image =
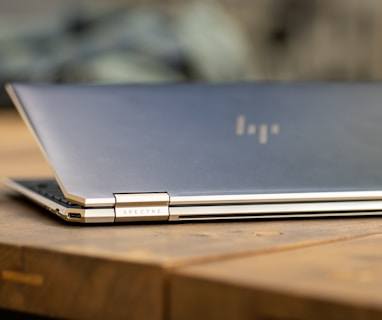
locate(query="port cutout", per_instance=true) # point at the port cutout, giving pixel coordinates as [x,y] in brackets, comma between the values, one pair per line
[74,215]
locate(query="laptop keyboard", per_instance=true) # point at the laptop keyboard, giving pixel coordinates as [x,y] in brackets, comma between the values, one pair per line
[49,189]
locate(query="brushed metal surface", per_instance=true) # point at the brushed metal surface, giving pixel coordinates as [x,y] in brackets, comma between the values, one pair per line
[181,139]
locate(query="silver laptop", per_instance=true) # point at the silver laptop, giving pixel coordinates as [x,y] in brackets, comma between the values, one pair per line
[205,151]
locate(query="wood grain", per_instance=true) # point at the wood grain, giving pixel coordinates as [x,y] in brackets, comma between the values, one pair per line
[71,287]
[93,288]
[11,294]
[333,281]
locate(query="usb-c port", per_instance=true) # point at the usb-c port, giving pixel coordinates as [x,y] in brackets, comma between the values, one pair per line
[74,215]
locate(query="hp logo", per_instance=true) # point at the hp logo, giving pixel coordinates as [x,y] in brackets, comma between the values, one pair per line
[262,130]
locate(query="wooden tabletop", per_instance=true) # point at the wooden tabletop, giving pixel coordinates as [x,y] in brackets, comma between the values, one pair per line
[265,269]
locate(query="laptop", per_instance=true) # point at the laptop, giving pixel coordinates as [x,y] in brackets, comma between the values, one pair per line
[177,152]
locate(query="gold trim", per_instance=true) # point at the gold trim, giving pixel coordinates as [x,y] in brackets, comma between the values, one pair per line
[277,198]
[276,209]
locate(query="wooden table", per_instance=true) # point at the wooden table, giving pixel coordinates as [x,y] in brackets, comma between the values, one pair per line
[281,269]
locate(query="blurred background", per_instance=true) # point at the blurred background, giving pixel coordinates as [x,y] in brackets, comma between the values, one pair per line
[158,41]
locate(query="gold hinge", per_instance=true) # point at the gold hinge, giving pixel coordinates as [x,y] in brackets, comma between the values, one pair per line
[141,206]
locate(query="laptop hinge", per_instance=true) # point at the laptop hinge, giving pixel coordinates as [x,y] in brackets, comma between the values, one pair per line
[141,206]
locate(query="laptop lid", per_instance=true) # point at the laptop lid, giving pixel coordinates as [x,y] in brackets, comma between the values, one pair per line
[208,141]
